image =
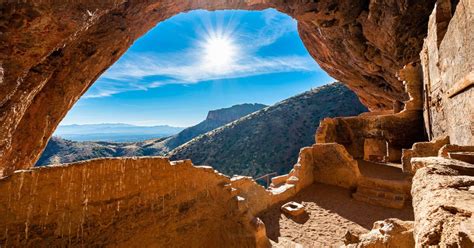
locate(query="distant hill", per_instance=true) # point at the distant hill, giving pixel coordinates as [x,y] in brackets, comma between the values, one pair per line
[114,132]
[215,119]
[233,140]
[269,140]
[60,150]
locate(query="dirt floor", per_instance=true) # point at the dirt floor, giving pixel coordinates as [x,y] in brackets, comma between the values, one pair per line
[386,171]
[331,212]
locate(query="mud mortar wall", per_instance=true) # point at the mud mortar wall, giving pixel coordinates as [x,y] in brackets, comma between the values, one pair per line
[121,202]
[401,130]
[448,68]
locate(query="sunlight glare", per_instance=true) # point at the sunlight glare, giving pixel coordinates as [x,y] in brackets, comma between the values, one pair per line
[219,51]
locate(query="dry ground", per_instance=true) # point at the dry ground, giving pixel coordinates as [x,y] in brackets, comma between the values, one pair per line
[331,212]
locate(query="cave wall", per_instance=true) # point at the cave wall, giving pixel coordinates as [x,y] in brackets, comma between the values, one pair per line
[442,187]
[448,71]
[53,52]
[122,202]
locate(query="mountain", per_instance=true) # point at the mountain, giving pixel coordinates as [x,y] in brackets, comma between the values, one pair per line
[115,132]
[269,140]
[215,119]
[233,140]
[60,150]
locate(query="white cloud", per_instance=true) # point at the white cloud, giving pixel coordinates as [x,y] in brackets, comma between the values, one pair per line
[140,71]
[276,25]
[132,74]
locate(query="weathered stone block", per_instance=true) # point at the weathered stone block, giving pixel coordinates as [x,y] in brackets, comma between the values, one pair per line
[293,208]
[421,149]
[442,201]
[334,165]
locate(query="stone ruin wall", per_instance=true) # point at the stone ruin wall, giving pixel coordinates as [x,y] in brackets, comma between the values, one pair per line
[443,187]
[148,201]
[152,201]
[122,202]
[448,72]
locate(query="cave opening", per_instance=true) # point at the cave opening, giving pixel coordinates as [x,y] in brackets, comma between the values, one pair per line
[194,73]
[348,179]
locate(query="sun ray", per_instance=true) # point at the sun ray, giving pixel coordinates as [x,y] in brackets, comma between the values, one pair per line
[217,46]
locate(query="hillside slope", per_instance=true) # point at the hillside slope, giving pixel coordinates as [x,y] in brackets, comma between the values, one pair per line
[215,119]
[61,150]
[269,140]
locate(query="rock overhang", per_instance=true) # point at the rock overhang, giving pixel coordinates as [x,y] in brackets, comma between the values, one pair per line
[53,52]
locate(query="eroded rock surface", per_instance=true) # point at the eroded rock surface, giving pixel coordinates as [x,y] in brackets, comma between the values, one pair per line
[443,201]
[52,53]
[385,233]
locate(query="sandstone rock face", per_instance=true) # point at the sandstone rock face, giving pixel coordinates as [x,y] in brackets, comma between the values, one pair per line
[52,53]
[381,136]
[448,72]
[386,233]
[443,202]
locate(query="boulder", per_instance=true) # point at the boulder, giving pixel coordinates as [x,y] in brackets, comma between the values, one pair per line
[385,233]
[443,202]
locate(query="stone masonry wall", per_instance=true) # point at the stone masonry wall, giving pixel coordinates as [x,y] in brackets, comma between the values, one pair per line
[121,202]
[448,72]
[151,201]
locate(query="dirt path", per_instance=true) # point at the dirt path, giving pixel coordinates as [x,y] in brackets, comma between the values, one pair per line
[331,212]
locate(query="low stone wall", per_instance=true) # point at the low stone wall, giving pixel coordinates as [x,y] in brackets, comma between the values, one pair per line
[148,201]
[400,130]
[122,202]
[333,165]
[256,199]
[421,149]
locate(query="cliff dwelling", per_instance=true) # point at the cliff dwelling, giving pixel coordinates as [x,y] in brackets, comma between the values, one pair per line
[401,175]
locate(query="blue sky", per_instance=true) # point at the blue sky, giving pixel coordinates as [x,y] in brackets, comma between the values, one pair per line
[198,61]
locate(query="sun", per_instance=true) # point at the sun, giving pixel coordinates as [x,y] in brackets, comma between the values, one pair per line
[219,51]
